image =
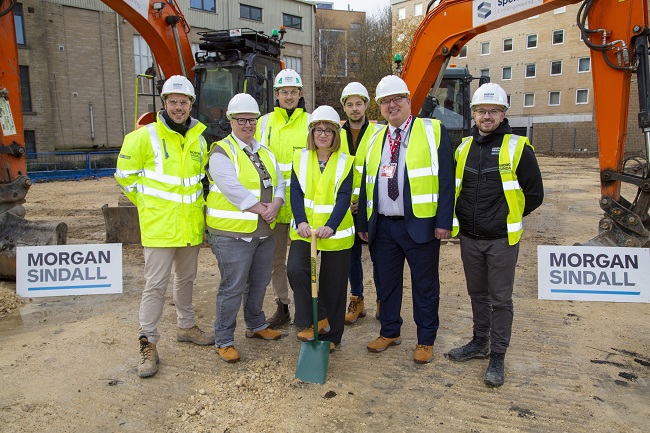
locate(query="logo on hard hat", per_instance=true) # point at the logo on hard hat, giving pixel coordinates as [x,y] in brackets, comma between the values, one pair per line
[177,86]
[289,80]
[488,95]
[484,9]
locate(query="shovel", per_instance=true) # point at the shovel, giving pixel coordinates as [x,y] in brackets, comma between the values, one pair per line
[314,355]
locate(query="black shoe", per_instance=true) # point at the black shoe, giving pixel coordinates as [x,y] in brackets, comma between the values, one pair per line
[280,317]
[495,371]
[479,347]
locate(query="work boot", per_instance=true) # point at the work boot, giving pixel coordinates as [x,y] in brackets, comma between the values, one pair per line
[495,371]
[281,315]
[228,354]
[265,334]
[382,343]
[148,358]
[331,347]
[195,335]
[479,347]
[423,354]
[307,334]
[356,309]
[377,311]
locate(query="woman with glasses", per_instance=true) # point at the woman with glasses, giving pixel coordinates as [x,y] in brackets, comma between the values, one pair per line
[246,192]
[321,189]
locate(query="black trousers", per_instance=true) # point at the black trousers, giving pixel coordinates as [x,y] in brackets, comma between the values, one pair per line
[332,287]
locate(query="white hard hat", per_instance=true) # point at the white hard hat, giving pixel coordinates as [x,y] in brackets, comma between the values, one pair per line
[287,78]
[354,89]
[242,103]
[178,84]
[490,93]
[391,85]
[325,113]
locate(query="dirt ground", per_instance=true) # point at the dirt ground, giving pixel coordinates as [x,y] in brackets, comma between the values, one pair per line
[68,364]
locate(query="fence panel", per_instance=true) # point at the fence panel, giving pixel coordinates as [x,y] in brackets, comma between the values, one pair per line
[71,165]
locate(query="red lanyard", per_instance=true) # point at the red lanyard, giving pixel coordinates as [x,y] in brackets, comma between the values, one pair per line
[393,144]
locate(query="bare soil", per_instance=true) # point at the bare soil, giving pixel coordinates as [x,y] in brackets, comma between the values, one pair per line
[68,364]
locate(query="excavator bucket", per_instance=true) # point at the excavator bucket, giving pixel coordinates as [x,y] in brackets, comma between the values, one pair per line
[122,222]
[16,231]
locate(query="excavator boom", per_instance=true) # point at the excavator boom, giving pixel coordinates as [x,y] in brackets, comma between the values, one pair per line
[617,34]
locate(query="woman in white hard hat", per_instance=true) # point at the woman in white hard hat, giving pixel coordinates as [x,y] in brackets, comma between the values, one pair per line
[321,188]
[246,192]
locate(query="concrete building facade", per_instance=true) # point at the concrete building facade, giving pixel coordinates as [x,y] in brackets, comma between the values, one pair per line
[79,61]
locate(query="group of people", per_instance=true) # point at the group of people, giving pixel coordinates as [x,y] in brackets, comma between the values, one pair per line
[288,177]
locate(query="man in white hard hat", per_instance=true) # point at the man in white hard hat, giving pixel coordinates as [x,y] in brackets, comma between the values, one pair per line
[406,206]
[355,135]
[246,192]
[160,168]
[498,182]
[284,131]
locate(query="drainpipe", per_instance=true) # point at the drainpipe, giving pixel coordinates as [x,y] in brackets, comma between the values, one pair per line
[92,123]
[119,69]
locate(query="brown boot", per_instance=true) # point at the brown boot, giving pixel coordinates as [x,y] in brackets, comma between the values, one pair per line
[356,309]
[281,316]
[195,335]
[307,334]
[148,358]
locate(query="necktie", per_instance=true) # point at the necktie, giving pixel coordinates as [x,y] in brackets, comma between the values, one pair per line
[393,188]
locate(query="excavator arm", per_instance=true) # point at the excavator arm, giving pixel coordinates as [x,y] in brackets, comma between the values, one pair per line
[617,34]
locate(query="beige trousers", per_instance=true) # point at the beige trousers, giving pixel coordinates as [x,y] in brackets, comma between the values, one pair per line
[158,263]
[279,274]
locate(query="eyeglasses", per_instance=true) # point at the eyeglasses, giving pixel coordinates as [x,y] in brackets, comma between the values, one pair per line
[326,132]
[285,92]
[242,122]
[174,102]
[397,100]
[492,112]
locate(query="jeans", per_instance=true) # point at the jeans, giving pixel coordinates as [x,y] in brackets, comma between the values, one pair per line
[245,269]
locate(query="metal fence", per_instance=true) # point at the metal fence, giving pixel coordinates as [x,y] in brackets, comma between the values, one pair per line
[71,165]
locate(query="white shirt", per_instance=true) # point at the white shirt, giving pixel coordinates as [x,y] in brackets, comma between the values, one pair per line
[386,205]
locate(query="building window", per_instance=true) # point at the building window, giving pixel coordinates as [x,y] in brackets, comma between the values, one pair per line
[204,5]
[554,97]
[20,24]
[531,41]
[560,10]
[250,12]
[401,13]
[418,9]
[582,96]
[531,70]
[558,37]
[143,60]
[507,44]
[484,72]
[556,67]
[332,53]
[355,26]
[463,52]
[508,99]
[506,73]
[292,21]
[294,63]
[533,17]
[584,64]
[529,99]
[30,143]
[25,92]
[485,48]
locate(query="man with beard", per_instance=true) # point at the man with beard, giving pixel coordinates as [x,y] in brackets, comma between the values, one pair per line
[498,182]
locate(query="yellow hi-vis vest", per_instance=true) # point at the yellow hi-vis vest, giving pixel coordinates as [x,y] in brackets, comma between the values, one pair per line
[283,136]
[320,191]
[421,167]
[511,149]
[160,171]
[360,156]
[221,214]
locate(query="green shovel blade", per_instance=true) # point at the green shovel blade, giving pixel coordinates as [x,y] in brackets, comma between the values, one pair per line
[312,361]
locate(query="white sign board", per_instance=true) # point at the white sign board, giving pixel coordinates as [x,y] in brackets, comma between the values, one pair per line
[60,270]
[485,11]
[6,118]
[584,273]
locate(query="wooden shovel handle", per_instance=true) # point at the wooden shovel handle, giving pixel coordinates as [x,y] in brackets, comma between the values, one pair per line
[314,276]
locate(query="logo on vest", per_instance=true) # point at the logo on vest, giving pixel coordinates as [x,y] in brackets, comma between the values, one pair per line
[196,156]
[505,168]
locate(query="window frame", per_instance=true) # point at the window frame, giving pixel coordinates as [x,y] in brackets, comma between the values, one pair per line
[481,74]
[534,65]
[460,53]
[503,45]
[401,14]
[25,89]
[19,22]
[586,101]
[536,35]
[503,69]
[553,36]
[415,10]
[560,10]
[551,93]
[250,8]
[526,95]
[587,70]
[291,26]
[484,44]
[203,6]
[551,68]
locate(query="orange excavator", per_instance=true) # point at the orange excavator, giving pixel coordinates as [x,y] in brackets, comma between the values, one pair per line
[617,33]
[229,62]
